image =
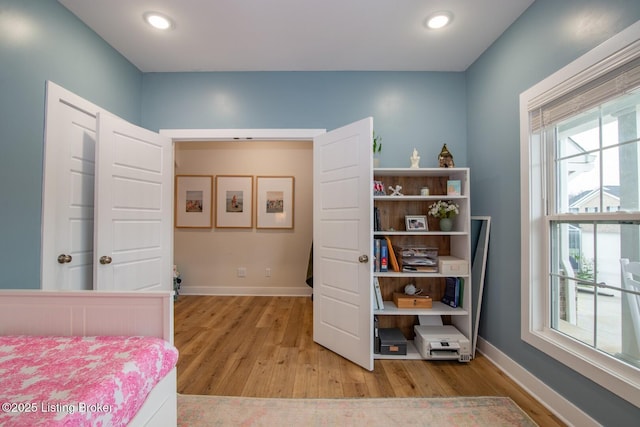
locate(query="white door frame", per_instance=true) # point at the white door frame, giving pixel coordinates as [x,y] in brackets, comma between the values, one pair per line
[305,135]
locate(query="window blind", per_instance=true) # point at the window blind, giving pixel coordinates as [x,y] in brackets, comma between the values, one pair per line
[612,77]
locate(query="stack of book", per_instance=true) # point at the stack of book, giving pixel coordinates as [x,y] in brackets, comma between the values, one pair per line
[385,257]
[453,291]
[381,255]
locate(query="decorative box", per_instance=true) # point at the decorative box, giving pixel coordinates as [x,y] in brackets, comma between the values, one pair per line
[453,266]
[412,301]
[392,341]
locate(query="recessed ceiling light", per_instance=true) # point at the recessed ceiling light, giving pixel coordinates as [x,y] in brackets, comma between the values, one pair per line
[438,20]
[158,20]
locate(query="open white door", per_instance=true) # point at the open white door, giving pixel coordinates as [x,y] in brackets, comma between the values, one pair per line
[68,193]
[343,214]
[133,214]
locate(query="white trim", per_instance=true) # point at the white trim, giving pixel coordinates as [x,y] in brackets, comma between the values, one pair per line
[606,371]
[549,398]
[282,291]
[241,134]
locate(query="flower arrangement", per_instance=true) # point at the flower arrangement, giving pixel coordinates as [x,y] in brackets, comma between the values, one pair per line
[444,209]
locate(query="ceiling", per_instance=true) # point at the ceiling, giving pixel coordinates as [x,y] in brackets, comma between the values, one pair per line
[299,35]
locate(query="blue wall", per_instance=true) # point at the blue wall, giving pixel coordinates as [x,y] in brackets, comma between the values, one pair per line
[475,113]
[410,109]
[548,36]
[40,40]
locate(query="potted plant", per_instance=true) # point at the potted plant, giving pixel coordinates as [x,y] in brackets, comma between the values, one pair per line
[445,211]
[377,147]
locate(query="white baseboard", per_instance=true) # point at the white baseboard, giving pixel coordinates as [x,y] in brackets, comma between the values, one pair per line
[247,291]
[554,402]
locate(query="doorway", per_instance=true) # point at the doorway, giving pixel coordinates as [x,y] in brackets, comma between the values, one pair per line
[246,261]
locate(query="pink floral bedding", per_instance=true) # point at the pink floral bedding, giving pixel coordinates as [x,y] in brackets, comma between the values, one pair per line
[78,381]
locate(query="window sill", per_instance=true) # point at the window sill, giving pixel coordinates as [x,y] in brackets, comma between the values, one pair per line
[605,370]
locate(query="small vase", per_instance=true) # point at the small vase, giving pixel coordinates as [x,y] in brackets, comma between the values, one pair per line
[446,224]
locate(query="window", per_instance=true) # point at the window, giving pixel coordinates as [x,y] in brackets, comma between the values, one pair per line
[580,147]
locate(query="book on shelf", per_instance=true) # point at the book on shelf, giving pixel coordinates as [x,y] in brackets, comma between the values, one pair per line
[376,219]
[451,295]
[378,293]
[376,336]
[384,256]
[419,268]
[381,255]
[393,260]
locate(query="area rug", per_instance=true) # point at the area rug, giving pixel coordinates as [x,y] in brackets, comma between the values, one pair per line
[194,411]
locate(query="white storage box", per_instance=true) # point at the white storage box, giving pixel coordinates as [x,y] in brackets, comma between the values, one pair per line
[453,266]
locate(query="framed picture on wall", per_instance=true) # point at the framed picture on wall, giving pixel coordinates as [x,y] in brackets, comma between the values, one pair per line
[274,201]
[234,201]
[193,201]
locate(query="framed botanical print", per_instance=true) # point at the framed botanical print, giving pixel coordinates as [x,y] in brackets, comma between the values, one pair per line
[234,201]
[274,201]
[193,201]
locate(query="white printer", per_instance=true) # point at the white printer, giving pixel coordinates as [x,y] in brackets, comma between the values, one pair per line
[442,342]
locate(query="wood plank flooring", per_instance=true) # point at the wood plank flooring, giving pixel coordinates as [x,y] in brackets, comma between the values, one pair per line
[263,347]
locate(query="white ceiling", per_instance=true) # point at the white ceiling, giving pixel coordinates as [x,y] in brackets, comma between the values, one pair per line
[299,35]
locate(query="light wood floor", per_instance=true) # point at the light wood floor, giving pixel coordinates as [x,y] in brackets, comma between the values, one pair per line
[263,347]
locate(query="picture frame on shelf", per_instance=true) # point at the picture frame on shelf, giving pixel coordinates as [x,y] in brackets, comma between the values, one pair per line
[234,201]
[275,202]
[416,223]
[193,201]
[453,187]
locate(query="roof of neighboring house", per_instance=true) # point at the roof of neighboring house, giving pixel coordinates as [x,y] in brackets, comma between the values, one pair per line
[579,199]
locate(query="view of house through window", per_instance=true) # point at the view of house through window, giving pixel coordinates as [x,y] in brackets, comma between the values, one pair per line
[592,177]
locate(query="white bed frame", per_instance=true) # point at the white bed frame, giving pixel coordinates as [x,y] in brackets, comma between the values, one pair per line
[95,313]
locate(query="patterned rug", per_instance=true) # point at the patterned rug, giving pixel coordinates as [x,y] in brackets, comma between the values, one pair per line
[450,412]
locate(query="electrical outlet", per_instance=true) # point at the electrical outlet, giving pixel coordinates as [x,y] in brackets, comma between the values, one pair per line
[267,272]
[242,272]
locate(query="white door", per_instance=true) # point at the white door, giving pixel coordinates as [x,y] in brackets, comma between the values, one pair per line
[134,215]
[342,245]
[68,226]
[67,211]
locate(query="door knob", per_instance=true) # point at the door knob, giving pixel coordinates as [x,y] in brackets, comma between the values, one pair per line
[64,258]
[363,258]
[105,259]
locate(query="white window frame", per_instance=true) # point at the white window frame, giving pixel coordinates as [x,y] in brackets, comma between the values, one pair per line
[605,370]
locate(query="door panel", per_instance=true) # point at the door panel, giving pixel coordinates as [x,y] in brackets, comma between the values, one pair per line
[68,193]
[134,212]
[342,234]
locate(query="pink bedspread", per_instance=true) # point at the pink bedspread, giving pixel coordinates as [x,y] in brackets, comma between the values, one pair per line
[78,381]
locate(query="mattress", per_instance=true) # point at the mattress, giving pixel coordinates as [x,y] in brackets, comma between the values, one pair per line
[78,381]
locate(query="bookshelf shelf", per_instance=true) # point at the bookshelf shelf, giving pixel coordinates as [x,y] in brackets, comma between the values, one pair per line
[412,353]
[408,275]
[419,233]
[438,309]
